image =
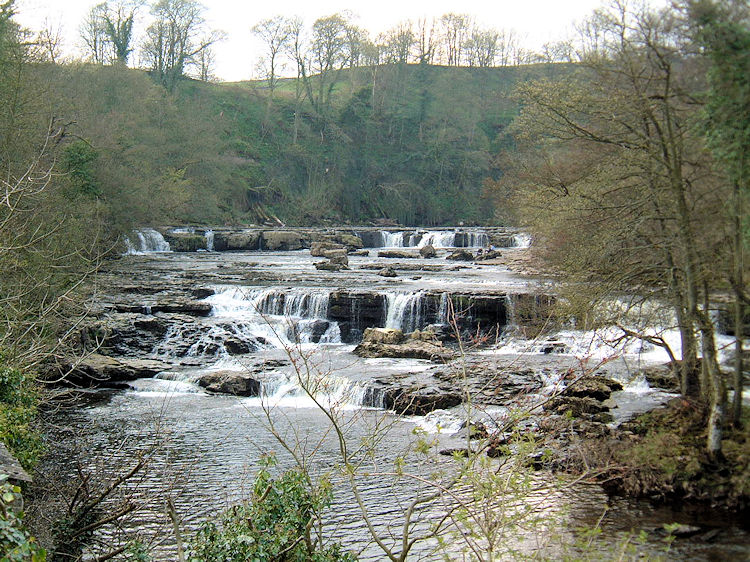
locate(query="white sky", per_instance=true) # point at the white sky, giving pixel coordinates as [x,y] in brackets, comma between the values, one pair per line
[536,21]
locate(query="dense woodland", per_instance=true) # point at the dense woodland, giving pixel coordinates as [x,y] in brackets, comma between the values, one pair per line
[623,151]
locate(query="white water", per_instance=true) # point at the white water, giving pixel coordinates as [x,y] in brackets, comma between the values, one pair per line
[521,240]
[147,240]
[405,311]
[209,234]
[435,238]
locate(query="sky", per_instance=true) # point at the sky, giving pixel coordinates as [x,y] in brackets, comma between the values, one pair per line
[536,21]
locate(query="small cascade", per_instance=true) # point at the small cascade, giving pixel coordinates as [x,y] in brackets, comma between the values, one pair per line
[438,239]
[209,234]
[146,241]
[521,240]
[477,239]
[392,239]
[330,390]
[406,311]
[278,315]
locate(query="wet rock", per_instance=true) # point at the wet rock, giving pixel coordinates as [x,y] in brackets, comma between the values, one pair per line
[284,240]
[337,256]
[662,376]
[319,249]
[230,382]
[100,370]
[489,255]
[442,332]
[235,346]
[355,311]
[237,241]
[190,307]
[577,406]
[397,254]
[315,330]
[202,292]
[351,241]
[362,253]
[460,255]
[185,242]
[411,349]
[428,251]
[419,400]
[422,335]
[598,388]
[388,272]
[383,335]
[329,266]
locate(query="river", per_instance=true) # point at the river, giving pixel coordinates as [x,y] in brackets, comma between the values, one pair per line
[273,314]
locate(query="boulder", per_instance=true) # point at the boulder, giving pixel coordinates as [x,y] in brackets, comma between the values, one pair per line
[423,335]
[428,251]
[411,349]
[230,382]
[662,376]
[403,254]
[419,400]
[383,335]
[337,256]
[460,255]
[577,406]
[598,388]
[363,253]
[388,272]
[329,266]
[319,249]
[283,240]
[488,255]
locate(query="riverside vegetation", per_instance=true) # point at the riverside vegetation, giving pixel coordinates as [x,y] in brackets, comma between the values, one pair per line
[625,155]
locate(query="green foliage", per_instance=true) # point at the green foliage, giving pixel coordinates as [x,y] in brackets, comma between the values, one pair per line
[277,524]
[15,543]
[79,159]
[18,400]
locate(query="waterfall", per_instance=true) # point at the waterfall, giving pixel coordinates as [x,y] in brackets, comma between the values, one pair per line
[209,234]
[148,241]
[477,239]
[327,389]
[439,239]
[280,316]
[521,240]
[406,311]
[391,239]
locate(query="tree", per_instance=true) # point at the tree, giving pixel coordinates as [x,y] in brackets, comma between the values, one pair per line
[275,34]
[174,40]
[455,29]
[397,43]
[118,27]
[94,36]
[724,33]
[481,47]
[618,154]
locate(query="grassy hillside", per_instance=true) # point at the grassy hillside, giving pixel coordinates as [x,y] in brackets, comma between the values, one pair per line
[411,143]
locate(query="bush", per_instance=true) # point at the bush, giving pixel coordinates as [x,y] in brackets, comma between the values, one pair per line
[18,400]
[277,524]
[15,543]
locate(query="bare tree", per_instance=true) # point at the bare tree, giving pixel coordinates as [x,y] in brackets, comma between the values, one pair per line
[94,36]
[426,44]
[49,42]
[455,28]
[397,43]
[176,37]
[275,33]
[481,47]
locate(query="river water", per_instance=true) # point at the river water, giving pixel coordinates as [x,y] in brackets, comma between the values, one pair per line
[204,449]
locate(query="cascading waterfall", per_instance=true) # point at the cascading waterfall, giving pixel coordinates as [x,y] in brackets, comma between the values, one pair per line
[148,241]
[435,238]
[209,234]
[521,240]
[406,311]
[438,239]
